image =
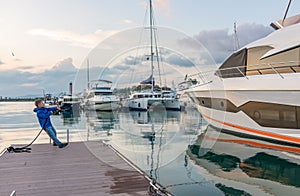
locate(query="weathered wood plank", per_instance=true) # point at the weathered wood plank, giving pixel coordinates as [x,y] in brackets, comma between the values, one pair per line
[48,170]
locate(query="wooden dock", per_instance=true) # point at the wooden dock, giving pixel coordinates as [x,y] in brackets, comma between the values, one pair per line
[73,170]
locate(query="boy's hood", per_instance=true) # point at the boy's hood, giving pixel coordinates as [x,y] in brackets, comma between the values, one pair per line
[36,109]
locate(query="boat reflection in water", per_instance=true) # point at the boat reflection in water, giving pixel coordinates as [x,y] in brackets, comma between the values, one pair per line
[247,166]
[187,156]
[100,123]
[70,117]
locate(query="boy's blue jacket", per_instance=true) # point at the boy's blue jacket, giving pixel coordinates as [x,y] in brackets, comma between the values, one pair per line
[43,115]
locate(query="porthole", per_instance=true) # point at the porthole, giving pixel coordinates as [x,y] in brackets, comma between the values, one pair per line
[222,104]
[256,115]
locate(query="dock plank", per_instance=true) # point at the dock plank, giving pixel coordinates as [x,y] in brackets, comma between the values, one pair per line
[48,170]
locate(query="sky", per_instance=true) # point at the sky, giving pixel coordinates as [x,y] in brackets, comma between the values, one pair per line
[43,44]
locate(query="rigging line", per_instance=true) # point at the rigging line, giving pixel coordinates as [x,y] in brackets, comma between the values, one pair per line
[133,73]
[158,55]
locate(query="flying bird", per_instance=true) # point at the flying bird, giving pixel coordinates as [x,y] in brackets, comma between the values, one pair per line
[12,54]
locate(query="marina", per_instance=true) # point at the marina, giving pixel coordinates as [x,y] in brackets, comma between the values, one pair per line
[150,110]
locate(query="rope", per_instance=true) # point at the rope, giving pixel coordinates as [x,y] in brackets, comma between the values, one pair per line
[26,147]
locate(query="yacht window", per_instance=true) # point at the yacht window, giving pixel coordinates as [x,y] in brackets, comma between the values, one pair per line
[289,115]
[284,62]
[269,114]
[103,93]
[234,66]
[273,115]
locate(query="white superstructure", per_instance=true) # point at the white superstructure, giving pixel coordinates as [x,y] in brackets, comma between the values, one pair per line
[101,97]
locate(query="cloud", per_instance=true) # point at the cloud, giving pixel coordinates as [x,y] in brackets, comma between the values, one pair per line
[127,21]
[29,84]
[175,59]
[220,43]
[131,60]
[163,6]
[74,39]
[54,80]
[27,68]
[65,64]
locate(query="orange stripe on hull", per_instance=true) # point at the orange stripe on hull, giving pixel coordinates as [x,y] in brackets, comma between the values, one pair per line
[261,133]
[257,144]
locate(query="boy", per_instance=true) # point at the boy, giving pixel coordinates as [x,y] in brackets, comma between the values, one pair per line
[43,115]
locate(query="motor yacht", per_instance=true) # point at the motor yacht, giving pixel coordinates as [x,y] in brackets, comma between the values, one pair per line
[256,91]
[100,97]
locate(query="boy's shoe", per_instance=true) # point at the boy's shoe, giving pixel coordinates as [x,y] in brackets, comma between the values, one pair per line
[63,145]
[54,144]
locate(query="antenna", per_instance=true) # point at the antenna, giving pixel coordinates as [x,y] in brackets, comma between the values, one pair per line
[88,74]
[286,11]
[236,40]
[280,24]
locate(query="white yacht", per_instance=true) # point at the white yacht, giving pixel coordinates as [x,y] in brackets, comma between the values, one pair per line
[101,97]
[145,99]
[256,91]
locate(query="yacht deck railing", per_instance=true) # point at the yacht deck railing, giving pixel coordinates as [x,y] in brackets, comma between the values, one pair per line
[278,68]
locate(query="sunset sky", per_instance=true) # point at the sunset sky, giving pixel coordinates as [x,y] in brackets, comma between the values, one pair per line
[44,43]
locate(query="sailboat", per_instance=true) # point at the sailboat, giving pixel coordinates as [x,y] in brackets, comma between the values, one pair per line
[143,100]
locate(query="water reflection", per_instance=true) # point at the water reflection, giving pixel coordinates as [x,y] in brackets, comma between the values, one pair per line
[186,155]
[248,161]
[70,117]
[266,166]
[100,122]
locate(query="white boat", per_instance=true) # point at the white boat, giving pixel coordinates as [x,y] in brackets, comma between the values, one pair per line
[101,97]
[49,100]
[145,99]
[256,91]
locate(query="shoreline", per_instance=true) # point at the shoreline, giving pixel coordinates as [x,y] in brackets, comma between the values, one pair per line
[18,100]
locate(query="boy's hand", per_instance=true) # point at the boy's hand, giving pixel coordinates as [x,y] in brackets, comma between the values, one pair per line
[58,108]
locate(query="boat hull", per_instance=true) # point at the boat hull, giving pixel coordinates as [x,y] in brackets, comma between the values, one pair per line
[143,104]
[103,106]
[267,108]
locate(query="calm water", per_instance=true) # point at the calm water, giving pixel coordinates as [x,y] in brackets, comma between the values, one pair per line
[178,149]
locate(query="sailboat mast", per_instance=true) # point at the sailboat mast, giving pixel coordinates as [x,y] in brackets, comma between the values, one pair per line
[151,43]
[88,74]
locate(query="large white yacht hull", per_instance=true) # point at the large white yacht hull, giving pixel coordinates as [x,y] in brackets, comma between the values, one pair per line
[266,106]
